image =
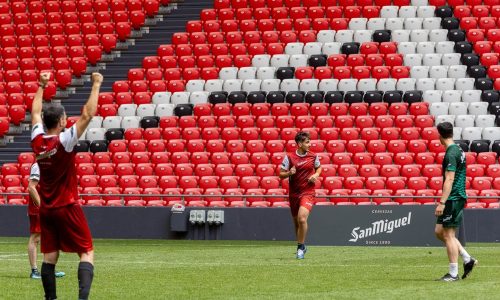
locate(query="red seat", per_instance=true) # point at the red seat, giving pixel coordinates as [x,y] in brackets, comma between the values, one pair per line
[390,170]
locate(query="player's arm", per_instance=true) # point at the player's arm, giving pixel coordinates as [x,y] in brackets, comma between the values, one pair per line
[36,108]
[90,108]
[449,178]
[33,192]
[285,170]
[317,170]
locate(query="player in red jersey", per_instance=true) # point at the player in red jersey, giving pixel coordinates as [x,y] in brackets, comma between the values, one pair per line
[63,223]
[303,168]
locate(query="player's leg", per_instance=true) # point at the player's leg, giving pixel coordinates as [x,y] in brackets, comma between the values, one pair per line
[302,217]
[452,251]
[85,273]
[48,274]
[33,242]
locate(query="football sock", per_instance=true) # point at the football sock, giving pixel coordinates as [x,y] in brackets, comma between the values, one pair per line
[85,276]
[453,269]
[301,247]
[49,281]
[464,254]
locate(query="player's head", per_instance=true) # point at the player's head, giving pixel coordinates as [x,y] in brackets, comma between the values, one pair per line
[445,130]
[54,116]
[303,140]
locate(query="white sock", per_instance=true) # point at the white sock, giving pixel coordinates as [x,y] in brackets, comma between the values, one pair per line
[465,255]
[453,269]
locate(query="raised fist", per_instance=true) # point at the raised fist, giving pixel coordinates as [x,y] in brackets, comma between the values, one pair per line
[97,78]
[44,77]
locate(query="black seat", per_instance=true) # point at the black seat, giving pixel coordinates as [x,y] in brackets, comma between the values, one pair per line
[115,134]
[497,120]
[275,97]
[495,147]
[217,97]
[373,96]
[82,146]
[490,96]
[381,36]
[494,108]
[456,35]
[353,97]
[183,110]
[349,48]
[334,97]
[285,73]
[295,97]
[470,59]
[237,97]
[412,96]
[98,146]
[150,122]
[393,96]
[463,47]
[464,144]
[479,146]
[484,84]
[450,23]
[444,12]
[318,60]
[477,71]
[315,97]
[256,97]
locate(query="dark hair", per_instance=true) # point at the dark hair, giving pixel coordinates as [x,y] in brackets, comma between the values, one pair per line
[445,130]
[52,114]
[301,136]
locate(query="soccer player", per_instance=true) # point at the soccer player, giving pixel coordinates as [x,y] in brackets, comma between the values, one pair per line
[34,218]
[303,168]
[449,210]
[63,223]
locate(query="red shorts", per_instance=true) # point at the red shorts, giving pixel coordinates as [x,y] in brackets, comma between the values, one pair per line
[65,228]
[304,201]
[34,223]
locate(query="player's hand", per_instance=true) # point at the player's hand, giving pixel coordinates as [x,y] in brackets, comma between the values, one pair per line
[292,171]
[313,178]
[97,78]
[439,210]
[44,78]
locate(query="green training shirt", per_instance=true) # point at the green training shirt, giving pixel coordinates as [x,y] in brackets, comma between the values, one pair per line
[454,160]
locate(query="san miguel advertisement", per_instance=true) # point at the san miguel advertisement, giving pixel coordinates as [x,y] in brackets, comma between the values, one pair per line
[372,226]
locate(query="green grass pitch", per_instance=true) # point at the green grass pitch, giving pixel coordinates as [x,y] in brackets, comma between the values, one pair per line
[159,269]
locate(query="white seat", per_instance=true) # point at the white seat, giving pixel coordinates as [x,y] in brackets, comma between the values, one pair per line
[367,84]
[432,59]
[95,122]
[347,85]
[471,95]
[228,73]
[309,85]
[450,59]
[363,36]
[412,60]
[331,48]
[424,11]
[146,110]
[83,136]
[438,71]
[438,35]
[444,47]
[232,85]
[406,84]
[95,134]
[426,47]
[444,84]
[386,84]
[130,122]
[407,12]
[439,108]
[457,132]
[432,96]
[452,96]
[312,48]
[425,84]
[418,3]
[280,60]
[431,23]
[465,121]
[465,83]
[261,60]
[478,108]
[112,122]
[358,23]
[471,133]
[164,109]
[344,36]
[400,35]
[289,85]
[215,85]
[326,36]
[389,11]
[419,35]
[444,118]
[247,73]
[458,108]
[485,121]
[419,72]
[327,85]
[161,97]
[266,72]
[413,23]
[294,48]
[195,85]
[376,24]
[127,110]
[491,133]
[298,60]
[407,47]
[252,85]
[270,85]
[199,97]
[180,98]
[394,24]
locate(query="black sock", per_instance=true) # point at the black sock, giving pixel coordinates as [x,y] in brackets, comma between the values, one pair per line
[301,246]
[85,276]
[49,281]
